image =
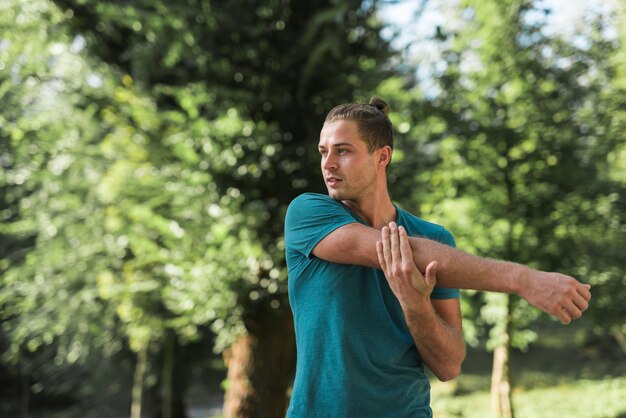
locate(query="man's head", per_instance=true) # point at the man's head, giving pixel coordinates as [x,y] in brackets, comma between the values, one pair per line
[371,119]
[355,145]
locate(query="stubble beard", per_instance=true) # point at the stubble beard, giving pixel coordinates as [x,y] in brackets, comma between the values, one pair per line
[353,193]
[339,194]
[359,191]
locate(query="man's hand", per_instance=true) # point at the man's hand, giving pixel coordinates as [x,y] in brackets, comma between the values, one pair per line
[556,294]
[396,261]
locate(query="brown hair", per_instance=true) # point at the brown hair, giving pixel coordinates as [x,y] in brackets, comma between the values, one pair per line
[371,119]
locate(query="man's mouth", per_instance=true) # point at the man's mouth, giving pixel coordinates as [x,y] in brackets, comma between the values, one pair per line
[331,181]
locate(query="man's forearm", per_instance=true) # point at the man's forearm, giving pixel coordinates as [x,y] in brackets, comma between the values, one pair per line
[439,344]
[465,271]
[556,294]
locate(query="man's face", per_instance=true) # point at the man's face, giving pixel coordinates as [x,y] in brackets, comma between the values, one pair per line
[349,170]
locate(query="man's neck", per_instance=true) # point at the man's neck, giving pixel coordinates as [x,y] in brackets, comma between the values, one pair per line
[375,212]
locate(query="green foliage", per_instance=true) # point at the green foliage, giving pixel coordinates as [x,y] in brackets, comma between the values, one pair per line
[240,103]
[186,249]
[51,222]
[145,184]
[603,258]
[513,156]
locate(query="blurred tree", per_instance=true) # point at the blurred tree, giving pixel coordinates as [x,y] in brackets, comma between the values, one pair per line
[603,239]
[76,277]
[241,89]
[50,232]
[515,135]
[182,244]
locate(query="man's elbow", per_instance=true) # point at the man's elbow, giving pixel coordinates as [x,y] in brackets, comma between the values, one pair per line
[448,373]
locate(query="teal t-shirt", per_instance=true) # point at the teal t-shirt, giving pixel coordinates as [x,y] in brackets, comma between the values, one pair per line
[356,356]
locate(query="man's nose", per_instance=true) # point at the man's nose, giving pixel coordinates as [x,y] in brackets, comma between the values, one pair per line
[329,162]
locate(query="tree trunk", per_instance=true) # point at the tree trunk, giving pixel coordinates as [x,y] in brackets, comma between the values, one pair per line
[260,366]
[501,402]
[618,334]
[24,391]
[168,369]
[140,371]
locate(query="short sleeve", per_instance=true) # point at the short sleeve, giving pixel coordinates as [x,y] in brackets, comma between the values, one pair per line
[444,292]
[447,238]
[311,217]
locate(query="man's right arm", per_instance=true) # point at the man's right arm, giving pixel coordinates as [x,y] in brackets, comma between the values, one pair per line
[554,293]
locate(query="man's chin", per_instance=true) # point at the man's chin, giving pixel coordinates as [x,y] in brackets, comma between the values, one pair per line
[336,194]
[332,193]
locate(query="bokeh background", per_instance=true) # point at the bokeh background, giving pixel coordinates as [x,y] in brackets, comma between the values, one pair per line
[149,149]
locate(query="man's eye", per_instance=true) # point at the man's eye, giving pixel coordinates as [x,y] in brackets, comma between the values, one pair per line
[342,151]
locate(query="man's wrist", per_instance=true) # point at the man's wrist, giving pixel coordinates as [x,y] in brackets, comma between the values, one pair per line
[519,280]
[421,307]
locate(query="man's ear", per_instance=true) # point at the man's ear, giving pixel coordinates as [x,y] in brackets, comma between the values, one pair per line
[385,155]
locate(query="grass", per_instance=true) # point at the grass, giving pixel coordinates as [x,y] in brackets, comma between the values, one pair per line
[584,398]
[560,376]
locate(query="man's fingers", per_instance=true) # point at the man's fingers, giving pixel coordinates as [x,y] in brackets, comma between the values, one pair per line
[405,248]
[431,274]
[395,244]
[584,290]
[566,311]
[381,256]
[386,247]
[563,315]
[407,263]
[571,309]
[577,303]
[581,302]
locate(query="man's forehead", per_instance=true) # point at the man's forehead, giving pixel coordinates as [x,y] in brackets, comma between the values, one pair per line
[340,133]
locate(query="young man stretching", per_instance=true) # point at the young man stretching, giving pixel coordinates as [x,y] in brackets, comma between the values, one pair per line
[367,320]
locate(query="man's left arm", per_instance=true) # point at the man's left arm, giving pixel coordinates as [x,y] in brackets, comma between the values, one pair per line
[436,329]
[434,324]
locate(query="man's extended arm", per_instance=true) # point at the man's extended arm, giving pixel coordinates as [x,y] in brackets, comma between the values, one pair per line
[554,293]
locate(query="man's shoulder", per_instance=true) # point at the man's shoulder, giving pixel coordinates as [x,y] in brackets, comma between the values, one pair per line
[310,196]
[421,227]
[310,217]
[314,206]
[314,201]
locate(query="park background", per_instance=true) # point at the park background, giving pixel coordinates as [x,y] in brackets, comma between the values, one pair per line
[149,149]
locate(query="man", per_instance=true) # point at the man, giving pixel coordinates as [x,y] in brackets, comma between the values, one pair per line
[367,320]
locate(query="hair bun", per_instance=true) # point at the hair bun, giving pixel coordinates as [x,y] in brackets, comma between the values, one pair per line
[379,104]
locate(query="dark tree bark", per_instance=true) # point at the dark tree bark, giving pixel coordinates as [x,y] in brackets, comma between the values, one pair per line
[260,367]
